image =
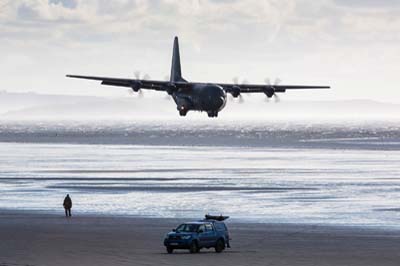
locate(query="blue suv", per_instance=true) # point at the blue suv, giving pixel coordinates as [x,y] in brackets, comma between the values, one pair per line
[208,233]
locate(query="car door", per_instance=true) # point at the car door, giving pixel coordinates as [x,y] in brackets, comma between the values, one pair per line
[211,234]
[203,240]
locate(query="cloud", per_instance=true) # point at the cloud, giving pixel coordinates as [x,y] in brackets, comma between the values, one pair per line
[369,3]
[289,20]
[65,3]
[300,24]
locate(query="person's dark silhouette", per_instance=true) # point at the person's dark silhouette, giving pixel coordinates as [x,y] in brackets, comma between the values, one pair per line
[67,205]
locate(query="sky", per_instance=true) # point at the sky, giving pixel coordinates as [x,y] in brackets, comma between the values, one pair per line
[351,45]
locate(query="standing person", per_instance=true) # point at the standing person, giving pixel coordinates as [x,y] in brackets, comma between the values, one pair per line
[67,205]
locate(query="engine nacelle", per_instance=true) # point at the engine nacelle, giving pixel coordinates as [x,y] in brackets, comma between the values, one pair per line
[136,86]
[235,91]
[269,92]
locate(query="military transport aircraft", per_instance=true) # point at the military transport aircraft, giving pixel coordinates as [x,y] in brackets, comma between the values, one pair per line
[197,96]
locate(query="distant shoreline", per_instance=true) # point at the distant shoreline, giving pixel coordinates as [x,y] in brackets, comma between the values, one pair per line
[47,214]
[298,135]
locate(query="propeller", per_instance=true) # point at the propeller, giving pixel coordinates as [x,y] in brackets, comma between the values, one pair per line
[137,76]
[272,93]
[140,93]
[240,96]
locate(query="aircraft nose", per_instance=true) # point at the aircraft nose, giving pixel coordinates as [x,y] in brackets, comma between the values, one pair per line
[220,102]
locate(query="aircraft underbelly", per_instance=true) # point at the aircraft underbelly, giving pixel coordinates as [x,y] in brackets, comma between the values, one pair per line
[197,100]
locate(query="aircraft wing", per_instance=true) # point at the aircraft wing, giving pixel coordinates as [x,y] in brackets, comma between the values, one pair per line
[167,86]
[257,88]
[132,83]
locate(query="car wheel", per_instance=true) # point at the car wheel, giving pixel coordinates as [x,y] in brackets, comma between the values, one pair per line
[170,250]
[193,247]
[219,246]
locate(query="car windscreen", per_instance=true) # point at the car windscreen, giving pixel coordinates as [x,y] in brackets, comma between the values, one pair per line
[187,228]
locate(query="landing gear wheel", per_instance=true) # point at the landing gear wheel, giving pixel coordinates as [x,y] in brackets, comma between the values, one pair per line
[193,247]
[212,114]
[170,250]
[182,112]
[220,246]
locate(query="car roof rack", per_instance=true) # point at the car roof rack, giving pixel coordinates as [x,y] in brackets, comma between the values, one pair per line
[215,217]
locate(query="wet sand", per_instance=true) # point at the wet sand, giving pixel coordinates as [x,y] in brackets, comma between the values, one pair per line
[44,239]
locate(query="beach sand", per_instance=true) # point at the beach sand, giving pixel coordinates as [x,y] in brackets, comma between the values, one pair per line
[44,239]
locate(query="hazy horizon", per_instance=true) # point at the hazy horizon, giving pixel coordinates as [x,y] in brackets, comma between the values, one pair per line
[150,106]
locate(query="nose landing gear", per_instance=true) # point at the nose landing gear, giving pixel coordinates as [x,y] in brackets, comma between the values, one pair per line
[182,110]
[212,113]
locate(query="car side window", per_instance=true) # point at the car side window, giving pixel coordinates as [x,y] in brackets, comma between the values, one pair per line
[202,228]
[209,228]
[220,227]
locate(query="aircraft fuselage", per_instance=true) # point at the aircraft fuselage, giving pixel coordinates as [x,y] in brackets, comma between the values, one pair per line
[209,98]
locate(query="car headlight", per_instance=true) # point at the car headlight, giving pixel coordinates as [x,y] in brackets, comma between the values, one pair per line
[186,237]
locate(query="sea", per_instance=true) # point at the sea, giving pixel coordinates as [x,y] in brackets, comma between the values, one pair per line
[335,173]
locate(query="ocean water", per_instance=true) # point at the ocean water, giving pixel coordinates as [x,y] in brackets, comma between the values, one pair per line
[301,173]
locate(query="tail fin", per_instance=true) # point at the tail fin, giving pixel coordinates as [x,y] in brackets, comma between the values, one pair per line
[176,74]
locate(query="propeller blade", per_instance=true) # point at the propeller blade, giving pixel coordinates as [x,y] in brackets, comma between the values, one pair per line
[137,74]
[277,99]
